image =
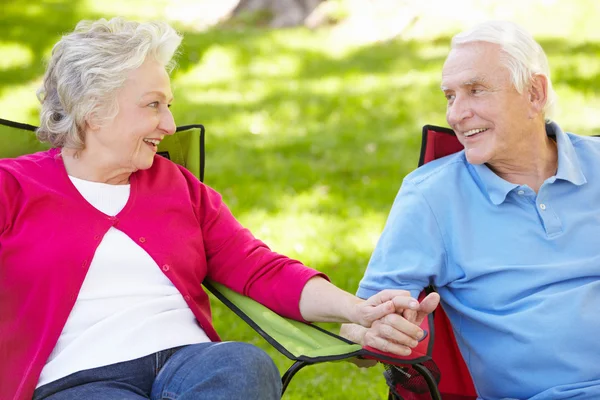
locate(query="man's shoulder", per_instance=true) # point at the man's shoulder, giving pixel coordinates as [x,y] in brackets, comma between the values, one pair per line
[587,149]
[438,173]
[592,142]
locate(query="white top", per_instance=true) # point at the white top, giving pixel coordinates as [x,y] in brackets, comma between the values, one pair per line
[126,308]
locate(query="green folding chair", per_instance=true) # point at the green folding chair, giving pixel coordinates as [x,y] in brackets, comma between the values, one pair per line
[304,344]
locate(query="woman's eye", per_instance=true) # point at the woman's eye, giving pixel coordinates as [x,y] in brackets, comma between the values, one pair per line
[154,104]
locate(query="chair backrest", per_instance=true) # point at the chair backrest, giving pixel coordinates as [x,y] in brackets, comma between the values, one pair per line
[456,382]
[185,148]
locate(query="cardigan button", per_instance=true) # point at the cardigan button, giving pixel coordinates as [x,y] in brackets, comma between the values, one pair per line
[187,297]
[142,240]
[166,267]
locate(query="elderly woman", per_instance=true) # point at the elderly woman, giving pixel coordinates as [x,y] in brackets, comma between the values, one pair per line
[104,244]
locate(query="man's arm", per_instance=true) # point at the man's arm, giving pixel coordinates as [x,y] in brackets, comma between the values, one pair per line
[410,255]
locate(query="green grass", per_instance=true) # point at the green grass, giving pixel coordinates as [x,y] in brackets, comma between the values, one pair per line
[308,138]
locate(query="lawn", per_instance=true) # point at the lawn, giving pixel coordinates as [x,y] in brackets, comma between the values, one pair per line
[308,138]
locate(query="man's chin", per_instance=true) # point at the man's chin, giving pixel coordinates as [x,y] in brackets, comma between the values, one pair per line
[476,156]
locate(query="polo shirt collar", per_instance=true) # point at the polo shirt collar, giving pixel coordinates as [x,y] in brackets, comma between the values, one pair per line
[569,168]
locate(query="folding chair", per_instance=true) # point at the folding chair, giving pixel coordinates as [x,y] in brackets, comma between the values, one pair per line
[305,344]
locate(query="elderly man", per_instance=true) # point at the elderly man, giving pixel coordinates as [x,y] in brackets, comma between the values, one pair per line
[507,231]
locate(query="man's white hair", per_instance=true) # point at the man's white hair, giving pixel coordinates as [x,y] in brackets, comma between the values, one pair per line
[88,66]
[523,56]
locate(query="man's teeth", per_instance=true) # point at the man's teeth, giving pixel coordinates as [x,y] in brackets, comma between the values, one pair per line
[474,131]
[152,141]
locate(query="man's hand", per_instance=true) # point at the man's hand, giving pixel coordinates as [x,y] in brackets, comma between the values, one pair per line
[427,306]
[396,332]
[383,303]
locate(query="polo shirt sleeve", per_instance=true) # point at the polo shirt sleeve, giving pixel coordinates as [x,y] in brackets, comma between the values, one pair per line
[247,265]
[410,253]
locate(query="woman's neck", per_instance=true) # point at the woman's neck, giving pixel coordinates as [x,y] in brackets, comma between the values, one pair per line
[80,164]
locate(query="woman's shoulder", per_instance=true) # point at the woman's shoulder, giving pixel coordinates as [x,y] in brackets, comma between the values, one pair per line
[28,165]
[174,183]
[168,175]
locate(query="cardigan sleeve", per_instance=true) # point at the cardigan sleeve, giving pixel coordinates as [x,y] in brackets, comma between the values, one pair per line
[245,264]
[9,190]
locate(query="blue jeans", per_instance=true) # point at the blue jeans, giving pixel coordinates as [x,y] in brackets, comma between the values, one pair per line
[221,370]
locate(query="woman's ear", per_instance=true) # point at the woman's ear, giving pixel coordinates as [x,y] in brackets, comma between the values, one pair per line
[92,122]
[538,94]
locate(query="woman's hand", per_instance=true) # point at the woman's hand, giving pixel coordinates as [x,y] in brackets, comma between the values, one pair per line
[397,332]
[384,303]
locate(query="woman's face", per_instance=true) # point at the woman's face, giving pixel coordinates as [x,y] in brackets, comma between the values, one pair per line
[129,141]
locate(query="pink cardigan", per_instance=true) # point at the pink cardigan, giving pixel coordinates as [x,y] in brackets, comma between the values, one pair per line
[49,233]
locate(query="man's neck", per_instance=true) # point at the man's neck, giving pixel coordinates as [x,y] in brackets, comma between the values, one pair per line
[531,165]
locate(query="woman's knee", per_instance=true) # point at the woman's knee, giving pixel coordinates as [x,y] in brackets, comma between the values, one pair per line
[228,370]
[247,359]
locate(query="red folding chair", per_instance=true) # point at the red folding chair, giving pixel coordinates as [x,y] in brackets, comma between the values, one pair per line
[456,382]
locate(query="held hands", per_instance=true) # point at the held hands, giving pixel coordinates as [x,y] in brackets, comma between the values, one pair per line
[393,318]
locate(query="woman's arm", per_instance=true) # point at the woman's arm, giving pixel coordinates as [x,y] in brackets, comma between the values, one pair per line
[321,301]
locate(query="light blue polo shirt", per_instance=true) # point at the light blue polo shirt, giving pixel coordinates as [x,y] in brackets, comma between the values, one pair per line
[518,273]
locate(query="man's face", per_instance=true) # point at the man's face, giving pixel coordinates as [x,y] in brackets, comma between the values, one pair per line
[487,113]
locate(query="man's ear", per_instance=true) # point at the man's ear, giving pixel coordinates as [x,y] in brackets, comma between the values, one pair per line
[538,94]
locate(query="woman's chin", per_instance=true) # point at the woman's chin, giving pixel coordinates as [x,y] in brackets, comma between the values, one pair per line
[144,164]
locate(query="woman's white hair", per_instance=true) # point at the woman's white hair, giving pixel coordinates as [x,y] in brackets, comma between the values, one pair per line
[524,57]
[88,66]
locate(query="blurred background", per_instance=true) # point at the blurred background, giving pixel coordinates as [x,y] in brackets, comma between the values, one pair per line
[313,111]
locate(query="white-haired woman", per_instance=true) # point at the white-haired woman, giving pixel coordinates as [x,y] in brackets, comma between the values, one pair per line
[104,245]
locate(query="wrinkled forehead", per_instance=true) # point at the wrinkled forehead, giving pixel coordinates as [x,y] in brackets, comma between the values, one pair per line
[470,60]
[151,76]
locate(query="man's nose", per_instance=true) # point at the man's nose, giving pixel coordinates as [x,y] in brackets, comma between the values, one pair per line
[458,111]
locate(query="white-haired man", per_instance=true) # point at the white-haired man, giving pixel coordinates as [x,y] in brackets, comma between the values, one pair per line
[506,230]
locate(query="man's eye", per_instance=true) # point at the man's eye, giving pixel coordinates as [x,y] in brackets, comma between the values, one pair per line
[476,91]
[154,104]
[450,97]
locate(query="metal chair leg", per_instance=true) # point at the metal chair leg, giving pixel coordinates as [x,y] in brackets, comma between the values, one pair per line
[289,374]
[431,384]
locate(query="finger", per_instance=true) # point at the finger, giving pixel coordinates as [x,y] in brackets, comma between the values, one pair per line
[387,295]
[386,346]
[410,315]
[397,328]
[402,303]
[377,312]
[427,306]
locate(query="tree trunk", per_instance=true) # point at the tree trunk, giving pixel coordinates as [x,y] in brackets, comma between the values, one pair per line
[285,12]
